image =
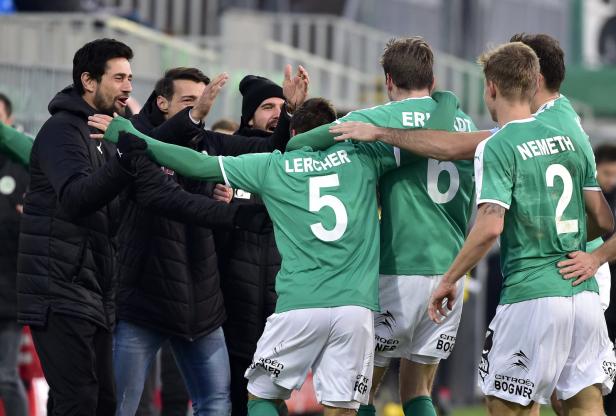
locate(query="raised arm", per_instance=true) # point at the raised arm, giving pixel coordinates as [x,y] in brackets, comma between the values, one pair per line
[15,144]
[185,161]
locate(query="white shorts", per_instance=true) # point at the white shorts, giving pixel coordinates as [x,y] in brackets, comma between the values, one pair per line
[403,328]
[335,343]
[537,346]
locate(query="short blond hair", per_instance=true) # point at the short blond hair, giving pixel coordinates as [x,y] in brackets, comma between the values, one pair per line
[514,68]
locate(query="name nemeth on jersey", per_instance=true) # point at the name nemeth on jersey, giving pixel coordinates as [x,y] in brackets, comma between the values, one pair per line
[544,147]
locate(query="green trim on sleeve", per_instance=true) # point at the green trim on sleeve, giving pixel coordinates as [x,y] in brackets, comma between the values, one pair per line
[186,162]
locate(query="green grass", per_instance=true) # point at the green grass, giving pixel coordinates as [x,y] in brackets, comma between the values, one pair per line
[480,411]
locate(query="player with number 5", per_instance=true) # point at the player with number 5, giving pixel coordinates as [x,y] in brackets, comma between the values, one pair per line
[324,210]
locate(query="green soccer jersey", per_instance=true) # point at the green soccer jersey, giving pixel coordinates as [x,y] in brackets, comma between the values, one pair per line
[426,204]
[323,206]
[538,174]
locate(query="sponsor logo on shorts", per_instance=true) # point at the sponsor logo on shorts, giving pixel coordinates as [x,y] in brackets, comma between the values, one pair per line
[385,344]
[520,360]
[386,319]
[445,342]
[609,368]
[271,366]
[514,385]
[278,348]
[484,365]
[361,384]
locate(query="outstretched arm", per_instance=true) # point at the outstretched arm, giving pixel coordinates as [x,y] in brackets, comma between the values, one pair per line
[184,161]
[436,144]
[15,144]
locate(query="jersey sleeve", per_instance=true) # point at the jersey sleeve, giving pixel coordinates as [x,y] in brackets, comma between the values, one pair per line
[382,156]
[493,174]
[247,172]
[590,177]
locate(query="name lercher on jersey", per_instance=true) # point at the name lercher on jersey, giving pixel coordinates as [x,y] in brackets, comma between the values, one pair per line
[543,147]
[308,164]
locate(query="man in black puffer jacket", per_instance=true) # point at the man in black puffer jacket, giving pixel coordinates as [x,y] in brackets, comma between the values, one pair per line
[169,282]
[66,256]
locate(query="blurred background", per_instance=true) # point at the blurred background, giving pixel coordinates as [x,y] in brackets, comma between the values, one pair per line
[339,42]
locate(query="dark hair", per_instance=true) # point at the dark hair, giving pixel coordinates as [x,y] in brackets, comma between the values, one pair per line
[225,124]
[164,86]
[7,104]
[409,61]
[551,57]
[605,153]
[313,113]
[93,56]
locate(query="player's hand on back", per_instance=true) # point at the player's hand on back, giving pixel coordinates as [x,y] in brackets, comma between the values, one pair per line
[580,266]
[443,296]
[355,130]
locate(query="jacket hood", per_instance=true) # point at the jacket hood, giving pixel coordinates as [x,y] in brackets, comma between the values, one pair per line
[70,100]
[150,113]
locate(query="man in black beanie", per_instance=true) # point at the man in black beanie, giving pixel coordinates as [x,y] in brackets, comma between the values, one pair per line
[249,262]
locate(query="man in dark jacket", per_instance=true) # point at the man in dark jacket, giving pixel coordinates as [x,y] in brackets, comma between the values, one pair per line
[66,285]
[66,257]
[13,182]
[250,261]
[169,283]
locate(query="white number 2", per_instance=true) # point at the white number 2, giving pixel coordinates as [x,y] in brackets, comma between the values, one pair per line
[434,171]
[317,201]
[562,226]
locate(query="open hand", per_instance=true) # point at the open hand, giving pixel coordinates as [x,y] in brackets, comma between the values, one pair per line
[295,89]
[581,265]
[355,130]
[204,103]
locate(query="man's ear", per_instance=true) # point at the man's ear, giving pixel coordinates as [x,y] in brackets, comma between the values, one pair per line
[162,103]
[492,89]
[293,133]
[88,83]
[389,82]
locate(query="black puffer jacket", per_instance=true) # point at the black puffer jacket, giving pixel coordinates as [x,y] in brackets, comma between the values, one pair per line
[168,270]
[248,264]
[66,249]
[13,183]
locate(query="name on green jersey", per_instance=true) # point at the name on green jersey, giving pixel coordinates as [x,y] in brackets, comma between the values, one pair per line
[308,164]
[544,147]
[414,118]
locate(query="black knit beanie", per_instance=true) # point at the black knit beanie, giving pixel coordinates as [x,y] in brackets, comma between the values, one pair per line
[255,90]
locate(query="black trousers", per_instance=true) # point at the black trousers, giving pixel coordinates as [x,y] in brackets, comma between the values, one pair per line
[239,393]
[76,358]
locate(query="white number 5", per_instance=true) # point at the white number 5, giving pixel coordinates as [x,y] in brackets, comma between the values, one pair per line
[316,202]
[562,226]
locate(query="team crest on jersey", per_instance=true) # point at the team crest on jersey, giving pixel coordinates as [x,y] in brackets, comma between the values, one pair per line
[484,365]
